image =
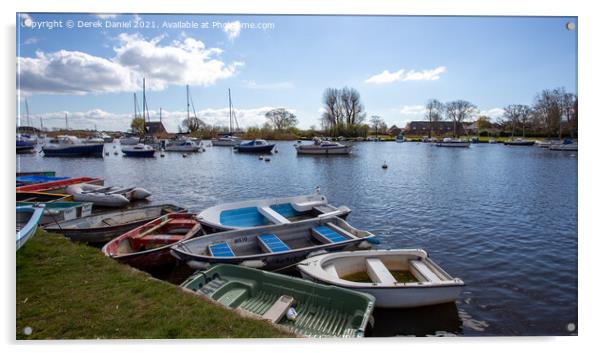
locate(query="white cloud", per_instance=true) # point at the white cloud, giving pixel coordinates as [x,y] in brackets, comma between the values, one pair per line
[106,16]
[180,62]
[30,40]
[232,29]
[267,86]
[414,110]
[407,75]
[492,113]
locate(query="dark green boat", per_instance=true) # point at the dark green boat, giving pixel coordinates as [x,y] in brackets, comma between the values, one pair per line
[320,310]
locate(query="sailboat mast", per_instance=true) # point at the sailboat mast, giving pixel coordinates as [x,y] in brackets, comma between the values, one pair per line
[230,106]
[27,110]
[66,122]
[187,103]
[135,106]
[143,106]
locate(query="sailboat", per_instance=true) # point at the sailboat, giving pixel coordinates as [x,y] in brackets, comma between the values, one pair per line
[140,149]
[228,139]
[185,144]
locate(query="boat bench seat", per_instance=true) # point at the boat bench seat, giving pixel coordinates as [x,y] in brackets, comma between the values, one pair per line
[327,235]
[220,250]
[271,243]
[421,271]
[378,272]
[279,308]
[272,215]
[307,205]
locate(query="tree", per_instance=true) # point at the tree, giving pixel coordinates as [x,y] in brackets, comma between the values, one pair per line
[192,124]
[483,122]
[434,113]
[377,123]
[568,108]
[281,119]
[458,111]
[343,111]
[517,114]
[547,110]
[137,125]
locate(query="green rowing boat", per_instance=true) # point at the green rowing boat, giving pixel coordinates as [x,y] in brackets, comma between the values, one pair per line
[303,307]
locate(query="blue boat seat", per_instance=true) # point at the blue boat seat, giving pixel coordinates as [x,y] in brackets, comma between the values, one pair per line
[327,235]
[221,250]
[271,243]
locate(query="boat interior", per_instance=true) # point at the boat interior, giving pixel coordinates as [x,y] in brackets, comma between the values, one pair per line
[281,240]
[158,235]
[319,313]
[273,214]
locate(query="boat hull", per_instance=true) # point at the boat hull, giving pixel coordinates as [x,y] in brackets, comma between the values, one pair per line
[225,143]
[59,187]
[453,144]
[342,150]
[255,149]
[83,150]
[519,143]
[27,223]
[55,212]
[139,154]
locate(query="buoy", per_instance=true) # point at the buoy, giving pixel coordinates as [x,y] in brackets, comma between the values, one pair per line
[106,153]
[267,159]
[385,166]
[184,155]
[275,150]
[162,154]
[116,153]
[203,150]
[260,158]
[114,146]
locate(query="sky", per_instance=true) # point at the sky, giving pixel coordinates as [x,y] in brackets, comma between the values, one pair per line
[88,66]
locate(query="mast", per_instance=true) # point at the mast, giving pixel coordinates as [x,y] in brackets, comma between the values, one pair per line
[160,115]
[66,122]
[41,125]
[27,110]
[135,106]
[187,103]
[143,106]
[230,106]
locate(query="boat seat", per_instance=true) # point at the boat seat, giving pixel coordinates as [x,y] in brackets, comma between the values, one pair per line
[278,309]
[378,272]
[272,215]
[421,271]
[307,205]
[271,243]
[327,235]
[220,250]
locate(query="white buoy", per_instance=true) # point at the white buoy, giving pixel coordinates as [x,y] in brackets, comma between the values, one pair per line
[385,166]
[260,158]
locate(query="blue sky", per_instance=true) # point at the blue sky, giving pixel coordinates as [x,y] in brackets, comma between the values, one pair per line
[396,63]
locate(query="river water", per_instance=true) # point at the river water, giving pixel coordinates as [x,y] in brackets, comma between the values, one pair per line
[504,219]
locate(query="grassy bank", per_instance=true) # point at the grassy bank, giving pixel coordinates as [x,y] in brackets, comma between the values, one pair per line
[67,290]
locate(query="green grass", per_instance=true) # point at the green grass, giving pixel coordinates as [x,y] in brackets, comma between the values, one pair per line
[67,290]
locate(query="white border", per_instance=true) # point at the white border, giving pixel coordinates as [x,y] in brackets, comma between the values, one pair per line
[589,170]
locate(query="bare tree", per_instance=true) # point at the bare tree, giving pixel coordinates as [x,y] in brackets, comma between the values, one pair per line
[547,110]
[377,123]
[193,124]
[568,104]
[517,114]
[281,119]
[434,113]
[458,111]
[343,110]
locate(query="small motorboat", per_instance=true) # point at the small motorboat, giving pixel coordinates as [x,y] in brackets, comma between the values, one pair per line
[61,211]
[564,147]
[139,150]
[71,146]
[42,197]
[60,186]
[182,146]
[37,179]
[303,307]
[108,196]
[519,142]
[272,247]
[147,246]
[492,141]
[402,278]
[226,140]
[129,140]
[27,223]
[103,227]
[253,213]
[255,146]
[452,142]
[25,144]
[323,148]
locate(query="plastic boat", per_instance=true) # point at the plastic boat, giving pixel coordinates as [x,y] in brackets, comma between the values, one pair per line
[182,146]
[255,146]
[226,140]
[27,223]
[60,186]
[519,142]
[272,247]
[303,307]
[147,246]
[253,213]
[139,150]
[61,211]
[451,142]
[103,227]
[42,197]
[323,148]
[37,179]
[110,196]
[71,146]
[396,278]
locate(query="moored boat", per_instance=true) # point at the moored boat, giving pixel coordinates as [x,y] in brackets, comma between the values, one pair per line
[226,140]
[24,144]
[452,142]
[255,146]
[60,186]
[61,211]
[42,197]
[303,307]
[129,140]
[402,278]
[519,142]
[182,146]
[272,247]
[37,179]
[564,147]
[27,223]
[147,247]
[103,227]
[109,196]
[139,150]
[71,146]
[40,173]
[253,213]
[323,148]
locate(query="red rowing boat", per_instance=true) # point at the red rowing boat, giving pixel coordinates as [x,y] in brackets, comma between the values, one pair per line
[148,246]
[59,186]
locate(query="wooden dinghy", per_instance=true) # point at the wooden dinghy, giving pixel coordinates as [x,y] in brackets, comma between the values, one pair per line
[42,197]
[402,278]
[27,223]
[103,227]
[147,246]
[272,247]
[317,310]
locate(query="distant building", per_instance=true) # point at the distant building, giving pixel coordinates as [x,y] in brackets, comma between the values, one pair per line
[155,128]
[27,130]
[440,128]
[393,131]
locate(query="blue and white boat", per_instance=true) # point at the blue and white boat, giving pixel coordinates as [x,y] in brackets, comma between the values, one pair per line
[282,210]
[139,150]
[36,179]
[255,146]
[25,143]
[182,146]
[27,223]
[71,146]
[55,212]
